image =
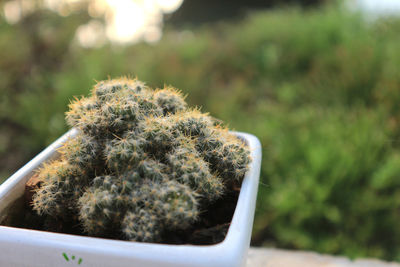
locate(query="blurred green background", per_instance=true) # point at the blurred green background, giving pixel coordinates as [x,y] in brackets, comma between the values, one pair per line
[319,85]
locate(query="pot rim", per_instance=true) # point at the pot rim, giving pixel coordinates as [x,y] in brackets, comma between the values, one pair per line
[230,252]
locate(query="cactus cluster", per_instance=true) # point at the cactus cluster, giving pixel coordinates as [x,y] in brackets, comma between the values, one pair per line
[142,163]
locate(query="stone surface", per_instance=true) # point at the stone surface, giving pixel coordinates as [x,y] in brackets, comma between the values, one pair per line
[270,257]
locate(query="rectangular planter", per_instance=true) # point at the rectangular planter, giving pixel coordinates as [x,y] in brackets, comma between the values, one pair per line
[23,247]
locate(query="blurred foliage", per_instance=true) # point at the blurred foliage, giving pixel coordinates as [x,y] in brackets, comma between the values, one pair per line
[195,12]
[33,54]
[320,88]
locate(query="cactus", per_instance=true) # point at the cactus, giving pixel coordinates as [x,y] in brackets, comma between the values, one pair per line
[83,150]
[170,100]
[62,187]
[142,163]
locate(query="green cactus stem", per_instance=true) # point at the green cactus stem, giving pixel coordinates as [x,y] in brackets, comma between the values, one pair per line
[142,163]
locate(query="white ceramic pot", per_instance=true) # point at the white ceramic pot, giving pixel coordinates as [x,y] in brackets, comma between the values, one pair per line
[23,247]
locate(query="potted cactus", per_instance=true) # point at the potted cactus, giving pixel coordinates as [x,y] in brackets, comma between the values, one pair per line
[139,165]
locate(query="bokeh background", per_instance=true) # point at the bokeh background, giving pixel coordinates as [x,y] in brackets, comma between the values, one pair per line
[317,81]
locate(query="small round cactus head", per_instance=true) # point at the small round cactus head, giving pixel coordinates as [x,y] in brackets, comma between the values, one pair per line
[62,184]
[228,155]
[107,90]
[82,150]
[124,153]
[142,164]
[141,225]
[192,123]
[79,109]
[101,206]
[188,167]
[170,100]
[180,206]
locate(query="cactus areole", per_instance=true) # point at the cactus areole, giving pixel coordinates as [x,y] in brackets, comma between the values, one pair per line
[144,166]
